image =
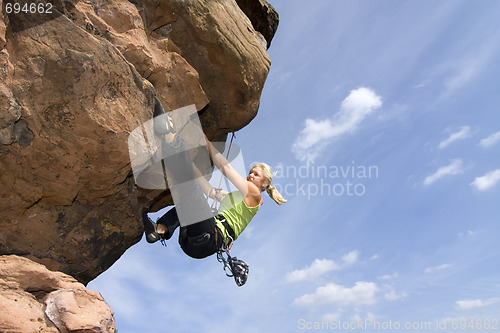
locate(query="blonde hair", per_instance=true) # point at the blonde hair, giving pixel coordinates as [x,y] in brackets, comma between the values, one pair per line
[268,176]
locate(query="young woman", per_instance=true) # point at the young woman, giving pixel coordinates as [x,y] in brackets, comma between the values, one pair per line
[201,236]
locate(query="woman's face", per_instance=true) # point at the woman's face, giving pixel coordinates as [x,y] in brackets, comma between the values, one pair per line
[256,176]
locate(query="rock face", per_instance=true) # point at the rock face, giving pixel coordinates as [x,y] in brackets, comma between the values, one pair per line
[34,299]
[263,16]
[75,82]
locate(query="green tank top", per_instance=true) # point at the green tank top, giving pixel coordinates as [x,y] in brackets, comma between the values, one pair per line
[238,215]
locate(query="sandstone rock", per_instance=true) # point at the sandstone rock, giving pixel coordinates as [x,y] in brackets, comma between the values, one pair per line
[264,17]
[67,195]
[75,83]
[219,41]
[34,299]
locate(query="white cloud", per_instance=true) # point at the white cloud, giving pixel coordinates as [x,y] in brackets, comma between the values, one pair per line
[388,276]
[468,233]
[490,141]
[475,303]
[351,257]
[392,295]
[437,268]
[487,181]
[362,293]
[454,168]
[332,316]
[464,74]
[316,269]
[322,266]
[462,134]
[249,232]
[469,67]
[356,318]
[316,135]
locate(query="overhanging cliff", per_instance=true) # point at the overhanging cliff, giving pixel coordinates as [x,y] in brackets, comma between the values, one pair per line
[75,82]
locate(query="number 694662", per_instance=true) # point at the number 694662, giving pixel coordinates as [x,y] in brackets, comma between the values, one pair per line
[28,8]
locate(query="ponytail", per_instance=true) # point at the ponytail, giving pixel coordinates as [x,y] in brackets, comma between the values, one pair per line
[275,195]
[272,191]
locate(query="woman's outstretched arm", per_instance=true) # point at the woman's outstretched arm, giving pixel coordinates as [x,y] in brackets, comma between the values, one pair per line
[250,192]
[226,169]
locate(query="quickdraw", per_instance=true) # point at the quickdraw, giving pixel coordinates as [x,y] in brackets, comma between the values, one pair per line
[233,267]
[225,260]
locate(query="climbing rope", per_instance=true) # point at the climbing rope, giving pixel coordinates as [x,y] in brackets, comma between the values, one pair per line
[232,266]
[214,203]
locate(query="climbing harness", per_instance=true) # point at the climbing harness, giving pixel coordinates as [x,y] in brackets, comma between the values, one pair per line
[233,267]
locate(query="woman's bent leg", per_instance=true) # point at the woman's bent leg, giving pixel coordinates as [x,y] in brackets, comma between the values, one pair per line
[169,220]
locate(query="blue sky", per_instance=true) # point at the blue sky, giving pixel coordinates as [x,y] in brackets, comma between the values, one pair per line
[383,121]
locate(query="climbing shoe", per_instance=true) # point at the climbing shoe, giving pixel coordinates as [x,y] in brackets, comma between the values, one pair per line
[150,229]
[163,123]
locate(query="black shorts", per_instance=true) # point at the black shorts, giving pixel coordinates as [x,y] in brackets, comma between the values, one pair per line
[201,246]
